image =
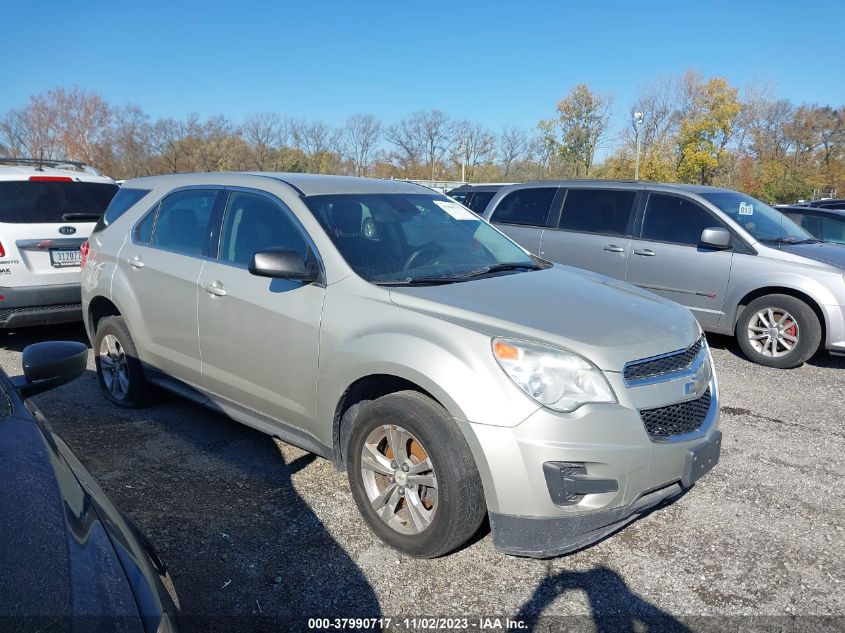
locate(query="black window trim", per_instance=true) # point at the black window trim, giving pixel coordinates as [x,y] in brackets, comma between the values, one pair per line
[632,214]
[156,207]
[549,212]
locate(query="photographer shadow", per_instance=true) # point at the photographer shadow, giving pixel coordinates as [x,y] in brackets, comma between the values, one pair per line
[613,606]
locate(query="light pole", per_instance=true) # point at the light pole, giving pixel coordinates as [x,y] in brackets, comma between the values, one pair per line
[463,149]
[638,124]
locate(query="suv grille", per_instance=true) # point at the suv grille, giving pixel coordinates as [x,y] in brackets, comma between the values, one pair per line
[676,419]
[640,369]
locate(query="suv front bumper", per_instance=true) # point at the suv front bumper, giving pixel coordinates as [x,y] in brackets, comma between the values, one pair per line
[40,305]
[615,470]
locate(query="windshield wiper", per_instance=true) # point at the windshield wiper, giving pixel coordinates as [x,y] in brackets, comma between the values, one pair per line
[430,281]
[497,268]
[417,281]
[791,240]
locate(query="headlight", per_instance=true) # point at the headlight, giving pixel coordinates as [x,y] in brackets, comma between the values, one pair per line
[555,378]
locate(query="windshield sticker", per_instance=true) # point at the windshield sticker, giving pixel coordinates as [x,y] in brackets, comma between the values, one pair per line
[746,208]
[457,211]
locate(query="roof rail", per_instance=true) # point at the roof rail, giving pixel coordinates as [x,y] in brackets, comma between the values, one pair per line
[39,163]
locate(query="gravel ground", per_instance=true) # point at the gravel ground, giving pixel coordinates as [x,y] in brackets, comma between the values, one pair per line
[259,535]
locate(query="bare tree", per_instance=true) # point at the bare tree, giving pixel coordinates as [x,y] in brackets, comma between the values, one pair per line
[513,147]
[424,136]
[361,135]
[473,144]
[319,143]
[264,135]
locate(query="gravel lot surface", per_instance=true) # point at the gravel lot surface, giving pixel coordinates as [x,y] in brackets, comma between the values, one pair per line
[258,533]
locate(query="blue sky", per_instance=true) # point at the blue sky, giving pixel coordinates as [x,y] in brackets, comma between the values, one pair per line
[494,62]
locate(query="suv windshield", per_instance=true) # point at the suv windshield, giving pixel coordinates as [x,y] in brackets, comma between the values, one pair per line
[26,201]
[414,238]
[762,221]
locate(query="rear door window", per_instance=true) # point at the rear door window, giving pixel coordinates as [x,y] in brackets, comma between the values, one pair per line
[34,202]
[183,219]
[605,211]
[528,207]
[676,220]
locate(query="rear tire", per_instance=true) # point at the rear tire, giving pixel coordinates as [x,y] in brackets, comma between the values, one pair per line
[119,371]
[424,499]
[779,331]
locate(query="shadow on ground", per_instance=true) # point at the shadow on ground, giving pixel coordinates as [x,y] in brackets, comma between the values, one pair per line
[613,606]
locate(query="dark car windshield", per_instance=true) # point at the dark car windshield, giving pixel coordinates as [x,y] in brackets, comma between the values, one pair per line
[414,237]
[759,219]
[27,201]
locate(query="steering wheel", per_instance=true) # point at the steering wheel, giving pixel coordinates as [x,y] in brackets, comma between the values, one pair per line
[429,247]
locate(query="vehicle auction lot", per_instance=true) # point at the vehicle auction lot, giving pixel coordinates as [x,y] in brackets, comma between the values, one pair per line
[256,533]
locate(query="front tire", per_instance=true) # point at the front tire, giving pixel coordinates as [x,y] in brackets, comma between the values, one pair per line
[412,475]
[779,331]
[119,371]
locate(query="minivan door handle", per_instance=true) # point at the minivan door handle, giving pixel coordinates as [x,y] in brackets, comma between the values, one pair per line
[135,262]
[613,248]
[215,289]
[645,252]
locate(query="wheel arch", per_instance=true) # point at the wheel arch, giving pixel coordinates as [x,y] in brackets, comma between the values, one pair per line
[99,307]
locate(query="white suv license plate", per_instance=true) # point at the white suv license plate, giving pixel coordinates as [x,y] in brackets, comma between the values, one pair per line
[64,257]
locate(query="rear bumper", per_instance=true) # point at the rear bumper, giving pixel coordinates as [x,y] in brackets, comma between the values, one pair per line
[40,305]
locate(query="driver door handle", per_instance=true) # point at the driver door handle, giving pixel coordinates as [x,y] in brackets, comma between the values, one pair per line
[215,289]
[645,252]
[613,248]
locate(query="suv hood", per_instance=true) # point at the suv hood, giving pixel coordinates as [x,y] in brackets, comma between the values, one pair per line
[825,252]
[607,321]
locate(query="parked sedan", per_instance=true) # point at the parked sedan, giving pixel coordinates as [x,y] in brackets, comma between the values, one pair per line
[69,560]
[824,224]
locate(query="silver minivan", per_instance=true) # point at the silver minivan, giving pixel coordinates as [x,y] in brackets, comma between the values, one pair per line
[389,329]
[739,265]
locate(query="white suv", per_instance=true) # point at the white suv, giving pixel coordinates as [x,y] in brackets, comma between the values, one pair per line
[47,211]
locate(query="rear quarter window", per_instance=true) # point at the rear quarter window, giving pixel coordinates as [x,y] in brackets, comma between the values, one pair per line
[33,202]
[124,200]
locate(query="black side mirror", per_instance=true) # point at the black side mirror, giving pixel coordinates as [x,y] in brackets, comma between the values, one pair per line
[716,237]
[281,264]
[49,365]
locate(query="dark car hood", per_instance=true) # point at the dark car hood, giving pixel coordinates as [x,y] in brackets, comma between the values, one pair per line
[825,252]
[606,320]
[58,563]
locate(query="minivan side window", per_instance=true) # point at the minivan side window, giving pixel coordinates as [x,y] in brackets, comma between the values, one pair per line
[529,207]
[183,218]
[605,211]
[254,223]
[676,220]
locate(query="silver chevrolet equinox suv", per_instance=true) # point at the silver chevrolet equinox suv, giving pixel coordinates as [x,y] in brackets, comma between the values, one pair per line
[742,267]
[451,373]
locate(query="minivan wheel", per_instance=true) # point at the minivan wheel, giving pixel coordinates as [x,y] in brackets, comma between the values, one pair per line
[779,331]
[119,371]
[412,475]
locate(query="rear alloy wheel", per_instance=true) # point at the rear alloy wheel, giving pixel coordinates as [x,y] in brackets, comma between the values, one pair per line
[413,476]
[779,331]
[119,371]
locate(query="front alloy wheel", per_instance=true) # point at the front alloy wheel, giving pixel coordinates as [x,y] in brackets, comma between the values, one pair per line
[773,332]
[399,479]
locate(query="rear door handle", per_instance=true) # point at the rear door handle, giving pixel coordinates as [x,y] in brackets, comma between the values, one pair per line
[645,252]
[613,248]
[135,262]
[215,289]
